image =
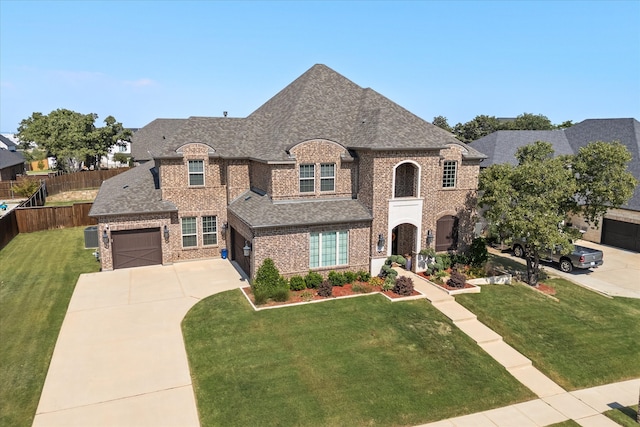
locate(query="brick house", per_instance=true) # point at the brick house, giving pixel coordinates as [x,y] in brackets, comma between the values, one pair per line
[326,175]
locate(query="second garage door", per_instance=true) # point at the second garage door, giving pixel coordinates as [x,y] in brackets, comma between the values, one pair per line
[621,234]
[136,248]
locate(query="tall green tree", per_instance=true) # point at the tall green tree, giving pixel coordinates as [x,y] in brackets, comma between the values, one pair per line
[71,137]
[533,199]
[480,126]
[528,121]
[442,123]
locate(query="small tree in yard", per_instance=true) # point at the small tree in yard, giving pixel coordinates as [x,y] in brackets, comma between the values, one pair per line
[533,199]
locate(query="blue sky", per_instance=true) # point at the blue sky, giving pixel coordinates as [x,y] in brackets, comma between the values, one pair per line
[142,60]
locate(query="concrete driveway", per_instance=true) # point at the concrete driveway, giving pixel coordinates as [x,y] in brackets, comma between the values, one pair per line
[120,358]
[618,276]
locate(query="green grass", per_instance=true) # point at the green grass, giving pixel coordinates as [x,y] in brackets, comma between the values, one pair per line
[625,416]
[582,340]
[568,423]
[357,361]
[38,272]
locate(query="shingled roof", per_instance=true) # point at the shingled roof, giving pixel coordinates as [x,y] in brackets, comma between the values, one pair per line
[259,211]
[152,137]
[319,104]
[132,192]
[10,158]
[501,146]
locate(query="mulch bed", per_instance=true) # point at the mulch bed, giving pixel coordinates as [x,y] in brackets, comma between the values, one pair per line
[545,289]
[309,295]
[444,285]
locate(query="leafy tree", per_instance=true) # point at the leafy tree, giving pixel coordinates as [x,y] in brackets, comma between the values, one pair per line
[442,123]
[71,137]
[565,124]
[477,128]
[528,121]
[533,199]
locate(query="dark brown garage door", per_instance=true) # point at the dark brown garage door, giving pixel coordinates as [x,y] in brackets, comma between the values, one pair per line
[447,233]
[136,248]
[621,234]
[237,253]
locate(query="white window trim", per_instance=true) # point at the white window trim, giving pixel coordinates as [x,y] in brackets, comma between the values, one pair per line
[189,173]
[183,235]
[332,177]
[337,232]
[312,178]
[214,233]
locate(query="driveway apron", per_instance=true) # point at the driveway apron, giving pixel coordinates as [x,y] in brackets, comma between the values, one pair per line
[120,356]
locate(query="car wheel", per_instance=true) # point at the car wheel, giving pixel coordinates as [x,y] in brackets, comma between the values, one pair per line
[518,251]
[565,265]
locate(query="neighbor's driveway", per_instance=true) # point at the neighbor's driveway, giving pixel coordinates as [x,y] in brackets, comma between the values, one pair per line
[120,358]
[619,275]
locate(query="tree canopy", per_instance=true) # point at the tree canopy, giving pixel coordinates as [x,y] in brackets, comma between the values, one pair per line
[534,199]
[72,137]
[483,125]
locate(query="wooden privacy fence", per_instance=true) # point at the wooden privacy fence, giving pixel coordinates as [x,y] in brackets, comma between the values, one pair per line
[52,217]
[56,184]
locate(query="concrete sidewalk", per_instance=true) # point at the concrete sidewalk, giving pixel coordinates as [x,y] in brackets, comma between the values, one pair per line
[120,358]
[555,404]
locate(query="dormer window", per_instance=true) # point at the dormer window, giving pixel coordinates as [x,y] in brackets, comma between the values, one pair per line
[449,174]
[196,173]
[307,178]
[327,177]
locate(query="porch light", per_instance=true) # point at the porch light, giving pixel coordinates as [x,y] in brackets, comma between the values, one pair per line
[380,243]
[429,237]
[105,238]
[166,232]
[224,229]
[246,249]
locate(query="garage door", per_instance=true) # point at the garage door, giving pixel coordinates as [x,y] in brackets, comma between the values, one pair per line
[621,234]
[237,253]
[136,248]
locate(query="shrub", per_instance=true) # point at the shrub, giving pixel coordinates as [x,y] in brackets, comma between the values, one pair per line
[260,296]
[336,279]
[281,292]
[364,276]
[325,289]
[306,296]
[376,281]
[26,187]
[444,260]
[388,271]
[313,279]
[457,279]
[267,276]
[350,277]
[460,258]
[362,288]
[478,253]
[297,283]
[388,284]
[403,286]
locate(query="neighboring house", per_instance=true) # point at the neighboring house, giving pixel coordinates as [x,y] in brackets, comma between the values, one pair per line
[8,141]
[124,147]
[619,227]
[11,165]
[324,176]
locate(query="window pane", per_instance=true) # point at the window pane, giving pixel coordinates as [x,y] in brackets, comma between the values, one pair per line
[327,170]
[209,230]
[196,179]
[307,178]
[449,174]
[196,172]
[343,248]
[327,184]
[307,171]
[314,250]
[189,229]
[188,241]
[328,249]
[306,185]
[196,166]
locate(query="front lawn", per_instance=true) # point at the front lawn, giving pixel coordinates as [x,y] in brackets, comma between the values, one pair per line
[356,361]
[582,340]
[38,273]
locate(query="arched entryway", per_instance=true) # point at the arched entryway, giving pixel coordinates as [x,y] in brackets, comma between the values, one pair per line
[403,239]
[447,233]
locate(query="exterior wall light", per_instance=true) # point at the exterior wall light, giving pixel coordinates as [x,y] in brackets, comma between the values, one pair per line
[429,237]
[105,238]
[246,249]
[380,243]
[166,232]
[225,226]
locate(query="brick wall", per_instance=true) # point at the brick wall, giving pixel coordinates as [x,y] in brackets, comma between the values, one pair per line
[289,248]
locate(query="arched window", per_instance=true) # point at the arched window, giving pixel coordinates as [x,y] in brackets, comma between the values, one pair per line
[406,180]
